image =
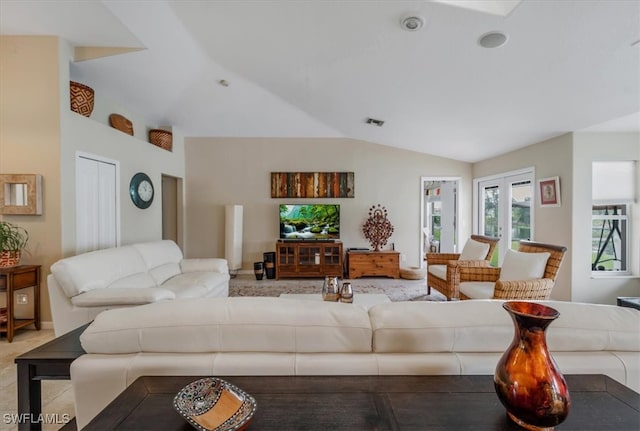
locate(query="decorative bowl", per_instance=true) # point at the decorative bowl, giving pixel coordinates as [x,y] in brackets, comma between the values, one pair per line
[212,404]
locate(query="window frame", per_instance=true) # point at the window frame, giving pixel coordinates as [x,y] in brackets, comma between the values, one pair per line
[626,246]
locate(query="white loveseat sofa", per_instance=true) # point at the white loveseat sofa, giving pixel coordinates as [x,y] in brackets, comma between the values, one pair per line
[273,336]
[82,286]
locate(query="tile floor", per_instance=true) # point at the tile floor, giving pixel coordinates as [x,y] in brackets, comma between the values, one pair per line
[57,397]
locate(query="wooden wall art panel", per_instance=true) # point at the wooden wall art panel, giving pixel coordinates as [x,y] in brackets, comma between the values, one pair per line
[312,184]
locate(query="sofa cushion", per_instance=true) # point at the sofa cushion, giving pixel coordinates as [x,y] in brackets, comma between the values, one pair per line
[121,296]
[135,281]
[474,250]
[523,266]
[164,272]
[157,253]
[593,327]
[239,324]
[484,326]
[206,264]
[97,269]
[458,326]
[195,284]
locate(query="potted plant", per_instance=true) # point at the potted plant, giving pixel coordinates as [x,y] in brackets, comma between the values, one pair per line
[13,240]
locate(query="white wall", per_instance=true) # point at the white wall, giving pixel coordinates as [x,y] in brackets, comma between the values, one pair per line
[94,135]
[223,171]
[551,225]
[570,156]
[587,148]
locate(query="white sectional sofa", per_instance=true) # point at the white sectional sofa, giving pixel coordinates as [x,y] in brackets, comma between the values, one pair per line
[273,336]
[82,286]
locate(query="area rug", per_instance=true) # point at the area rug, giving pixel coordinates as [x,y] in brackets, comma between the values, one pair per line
[395,289]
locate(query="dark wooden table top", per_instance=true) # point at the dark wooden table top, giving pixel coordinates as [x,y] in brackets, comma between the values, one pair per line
[296,403]
[66,346]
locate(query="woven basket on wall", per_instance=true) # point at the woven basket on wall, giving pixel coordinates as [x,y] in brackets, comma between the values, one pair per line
[121,123]
[161,138]
[82,98]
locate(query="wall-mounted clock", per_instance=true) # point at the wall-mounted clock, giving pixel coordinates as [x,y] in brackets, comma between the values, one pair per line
[141,190]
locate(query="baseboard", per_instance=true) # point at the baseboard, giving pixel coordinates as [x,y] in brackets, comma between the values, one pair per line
[46,325]
[241,272]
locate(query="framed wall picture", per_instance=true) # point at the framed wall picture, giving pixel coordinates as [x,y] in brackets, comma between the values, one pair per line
[312,185]
[549,192]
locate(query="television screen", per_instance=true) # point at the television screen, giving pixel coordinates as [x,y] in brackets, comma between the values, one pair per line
[320,221]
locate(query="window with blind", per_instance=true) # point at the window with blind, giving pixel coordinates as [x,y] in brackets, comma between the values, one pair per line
[613,193]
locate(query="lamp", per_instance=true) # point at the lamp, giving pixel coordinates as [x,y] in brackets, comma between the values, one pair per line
[233,236]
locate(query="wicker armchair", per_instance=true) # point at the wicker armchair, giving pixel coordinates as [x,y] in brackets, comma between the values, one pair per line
[484,282]
[441,267]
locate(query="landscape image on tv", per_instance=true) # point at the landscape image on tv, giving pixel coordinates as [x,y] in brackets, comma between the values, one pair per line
[320,221]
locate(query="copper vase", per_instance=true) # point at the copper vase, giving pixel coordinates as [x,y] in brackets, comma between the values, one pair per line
[527,379]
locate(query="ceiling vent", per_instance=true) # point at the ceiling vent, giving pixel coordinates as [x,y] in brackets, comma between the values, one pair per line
[412,23]
[375,122]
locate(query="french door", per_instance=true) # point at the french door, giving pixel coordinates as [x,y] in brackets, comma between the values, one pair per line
[505,210]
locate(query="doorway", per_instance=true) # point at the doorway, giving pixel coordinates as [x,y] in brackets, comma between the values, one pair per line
[504,209]
[171,205]
[439,203]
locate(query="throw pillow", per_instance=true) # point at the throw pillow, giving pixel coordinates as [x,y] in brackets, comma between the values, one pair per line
[523,266]
[474,250]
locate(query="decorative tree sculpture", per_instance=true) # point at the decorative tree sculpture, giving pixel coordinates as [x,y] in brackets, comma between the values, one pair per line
[377,229]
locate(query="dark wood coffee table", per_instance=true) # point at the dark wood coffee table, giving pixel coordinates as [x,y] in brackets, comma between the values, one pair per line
[51,361]
[372,403]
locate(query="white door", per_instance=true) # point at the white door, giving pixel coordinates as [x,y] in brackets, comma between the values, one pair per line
[505,210]
[97,200]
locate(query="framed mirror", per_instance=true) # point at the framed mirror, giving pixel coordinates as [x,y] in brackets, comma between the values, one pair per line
[21,194]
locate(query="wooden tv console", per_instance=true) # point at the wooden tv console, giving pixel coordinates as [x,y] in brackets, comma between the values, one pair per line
[308,259]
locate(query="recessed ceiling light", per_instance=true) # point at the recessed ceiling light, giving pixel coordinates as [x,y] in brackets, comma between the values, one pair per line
[412,23]
[493,39]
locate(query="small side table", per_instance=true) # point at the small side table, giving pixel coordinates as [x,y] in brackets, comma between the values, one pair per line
[12,280]
[629,301]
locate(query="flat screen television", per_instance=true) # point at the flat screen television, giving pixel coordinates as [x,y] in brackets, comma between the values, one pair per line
[310,221]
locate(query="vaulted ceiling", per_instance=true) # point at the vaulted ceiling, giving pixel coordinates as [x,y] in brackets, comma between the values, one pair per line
[320,68]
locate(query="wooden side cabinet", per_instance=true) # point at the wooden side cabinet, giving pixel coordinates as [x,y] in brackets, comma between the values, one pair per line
[14,279]
[373,263]
[308,259]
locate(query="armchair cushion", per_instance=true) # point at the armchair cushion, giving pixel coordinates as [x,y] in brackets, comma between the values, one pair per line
[439,271]
[523,266]
[474,250]
[477,289]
